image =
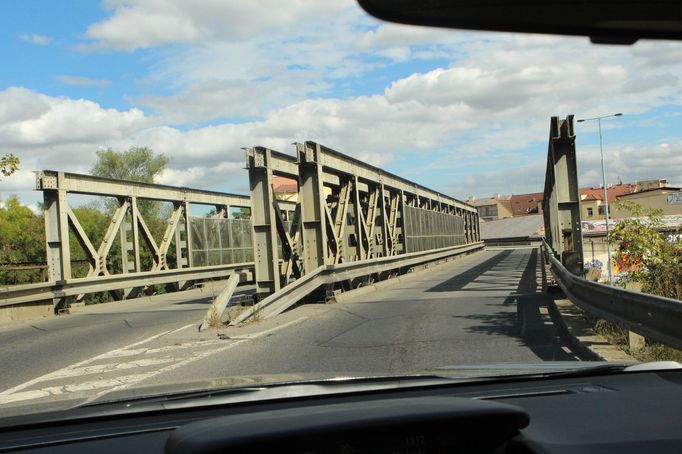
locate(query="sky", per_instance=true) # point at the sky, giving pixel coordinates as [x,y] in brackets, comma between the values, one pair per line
[465,113]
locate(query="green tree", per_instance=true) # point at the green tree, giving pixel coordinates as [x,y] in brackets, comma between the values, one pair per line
[645,253]
[94,223]
[8,164]
[137,164]
[243,213]
[22,240]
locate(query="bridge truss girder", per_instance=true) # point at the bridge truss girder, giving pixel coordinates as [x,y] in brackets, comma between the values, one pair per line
[561,201]
[126,222]
[349,211]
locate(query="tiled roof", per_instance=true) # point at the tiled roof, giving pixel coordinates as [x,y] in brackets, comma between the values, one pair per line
[526,203]
[283,184]
[665,190]
[613,192]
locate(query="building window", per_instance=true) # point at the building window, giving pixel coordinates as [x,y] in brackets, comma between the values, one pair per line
[590,212]
[601,210]
[487,211]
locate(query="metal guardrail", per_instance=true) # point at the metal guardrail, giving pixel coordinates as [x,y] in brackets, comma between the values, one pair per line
[32,293]
[654,317]
[286,297]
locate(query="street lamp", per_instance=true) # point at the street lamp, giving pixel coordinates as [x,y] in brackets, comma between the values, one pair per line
[606,195]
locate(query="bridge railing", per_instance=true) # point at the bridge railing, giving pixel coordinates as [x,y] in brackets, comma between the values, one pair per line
[654,317]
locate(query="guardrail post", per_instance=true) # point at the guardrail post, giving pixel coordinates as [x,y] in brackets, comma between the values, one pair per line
[635,341]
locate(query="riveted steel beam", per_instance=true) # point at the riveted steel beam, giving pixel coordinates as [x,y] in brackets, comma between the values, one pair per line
[126,225]
[561,202]
[267,220]
[263,219]
[48,180]
[337,162]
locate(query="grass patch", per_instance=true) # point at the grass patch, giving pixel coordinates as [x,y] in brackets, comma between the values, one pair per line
[618,336]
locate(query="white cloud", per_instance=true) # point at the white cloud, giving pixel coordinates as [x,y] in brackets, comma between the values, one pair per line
[269,73]
[71,121]
[627,164]
[632,163]
[18,104]
[486,106]
[34,38]
[140,24]
[58,133]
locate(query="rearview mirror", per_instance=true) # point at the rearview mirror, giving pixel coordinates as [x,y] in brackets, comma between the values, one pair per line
[604,21]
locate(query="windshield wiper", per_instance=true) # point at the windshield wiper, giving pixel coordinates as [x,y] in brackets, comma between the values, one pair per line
[294,389]
[614,368]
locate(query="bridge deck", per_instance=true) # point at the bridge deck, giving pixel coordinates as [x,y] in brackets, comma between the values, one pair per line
[484,308]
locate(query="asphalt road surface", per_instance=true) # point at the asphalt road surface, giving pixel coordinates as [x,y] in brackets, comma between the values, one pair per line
[484,308]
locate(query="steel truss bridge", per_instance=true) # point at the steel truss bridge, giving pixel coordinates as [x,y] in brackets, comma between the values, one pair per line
[352,225]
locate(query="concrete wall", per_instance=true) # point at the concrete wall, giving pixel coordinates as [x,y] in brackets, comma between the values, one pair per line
[594,248]
[28,311]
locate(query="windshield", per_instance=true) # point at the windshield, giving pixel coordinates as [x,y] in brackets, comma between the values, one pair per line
[201,194]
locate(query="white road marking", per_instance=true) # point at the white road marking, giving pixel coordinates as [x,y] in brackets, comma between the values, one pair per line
[181,328]
[167,348]
[81,368]
[109,367]
[113,353]
[84,362]
[170,367]
[204,354]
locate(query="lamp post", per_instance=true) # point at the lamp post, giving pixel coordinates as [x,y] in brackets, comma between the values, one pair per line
[606,194]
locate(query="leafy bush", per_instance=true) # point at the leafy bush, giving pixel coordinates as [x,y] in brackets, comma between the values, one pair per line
[22,239]
[645,253]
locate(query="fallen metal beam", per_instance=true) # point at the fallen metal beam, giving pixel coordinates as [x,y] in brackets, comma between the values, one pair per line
[214,313]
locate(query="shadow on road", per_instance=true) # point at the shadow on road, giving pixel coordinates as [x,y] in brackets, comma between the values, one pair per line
[458,282]
[527,324]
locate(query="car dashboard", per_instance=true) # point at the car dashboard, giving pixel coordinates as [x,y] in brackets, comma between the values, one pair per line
[623,412]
